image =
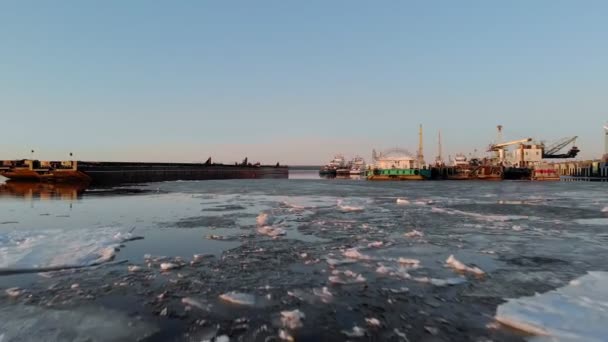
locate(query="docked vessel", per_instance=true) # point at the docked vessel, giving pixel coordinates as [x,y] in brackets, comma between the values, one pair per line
[545,172]
[101,173]
[461,169]
[331,169]
[397,164]
[357,167]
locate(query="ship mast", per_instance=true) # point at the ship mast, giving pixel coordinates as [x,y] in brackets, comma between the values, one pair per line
[439,156]
[420,154]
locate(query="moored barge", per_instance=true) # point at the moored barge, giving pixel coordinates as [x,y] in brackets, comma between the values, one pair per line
[102,173]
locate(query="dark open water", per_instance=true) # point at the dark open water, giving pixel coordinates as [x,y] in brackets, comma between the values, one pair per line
[359,260]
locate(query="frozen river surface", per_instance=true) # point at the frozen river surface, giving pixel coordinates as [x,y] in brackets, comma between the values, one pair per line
[306,260]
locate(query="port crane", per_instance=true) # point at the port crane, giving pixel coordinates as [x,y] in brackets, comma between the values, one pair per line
[550,152]
[500,148]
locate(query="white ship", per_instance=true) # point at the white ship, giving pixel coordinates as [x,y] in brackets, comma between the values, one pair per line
[357,166]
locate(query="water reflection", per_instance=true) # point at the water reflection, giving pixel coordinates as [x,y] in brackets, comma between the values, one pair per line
[42,191]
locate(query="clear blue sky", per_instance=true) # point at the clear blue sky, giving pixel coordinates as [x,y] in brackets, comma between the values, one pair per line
[296,81]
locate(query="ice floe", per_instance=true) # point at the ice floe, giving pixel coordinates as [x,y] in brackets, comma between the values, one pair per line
[56,248]
[271,231]
[354,332]
[222,338]
[374,322]
[576,312]
[350,205]
[238,298]
[14,292]
[413,263]
[166,266]
[375,244]
[414,233]
[323,294]
[133,268]
[440,282]
[353,253]
[402,201]
[189,301]
[346,277]
[83,323]
[292,319]
[264,219]
[459,266]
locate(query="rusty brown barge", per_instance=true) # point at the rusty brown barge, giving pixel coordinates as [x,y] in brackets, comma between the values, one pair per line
[109,173]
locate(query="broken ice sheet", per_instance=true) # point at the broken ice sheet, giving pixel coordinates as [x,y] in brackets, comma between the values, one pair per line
[19,323]
[576,312]
[238,298]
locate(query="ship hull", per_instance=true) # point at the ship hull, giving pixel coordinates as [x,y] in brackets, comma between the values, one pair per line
[395,178]
[458,177]
[398,174]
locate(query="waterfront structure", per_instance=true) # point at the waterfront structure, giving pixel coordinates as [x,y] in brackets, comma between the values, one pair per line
[101,173]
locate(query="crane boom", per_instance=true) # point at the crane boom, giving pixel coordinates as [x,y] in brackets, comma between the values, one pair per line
[495,147]
[558,145]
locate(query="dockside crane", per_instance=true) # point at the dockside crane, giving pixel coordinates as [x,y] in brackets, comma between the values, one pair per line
[500,148]
[550,151]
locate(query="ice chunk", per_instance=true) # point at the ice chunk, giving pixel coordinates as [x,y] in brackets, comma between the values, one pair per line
[292,319]
[271,231]
[576,312]
[440,282]
[133,268]
[459,266]
[350,205]
[355,332]
[222,338]
[402,201]
[238,298]
[323,294]
[374,322]
[353,253]
[413,263]
[14,292]
[194,303]
[285,336]
[384,270]
[264,219]
[605,210]
[375,244]
[346,277]
[414,233]
[166,266]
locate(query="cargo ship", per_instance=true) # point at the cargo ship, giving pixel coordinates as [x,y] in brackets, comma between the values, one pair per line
[102,173]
